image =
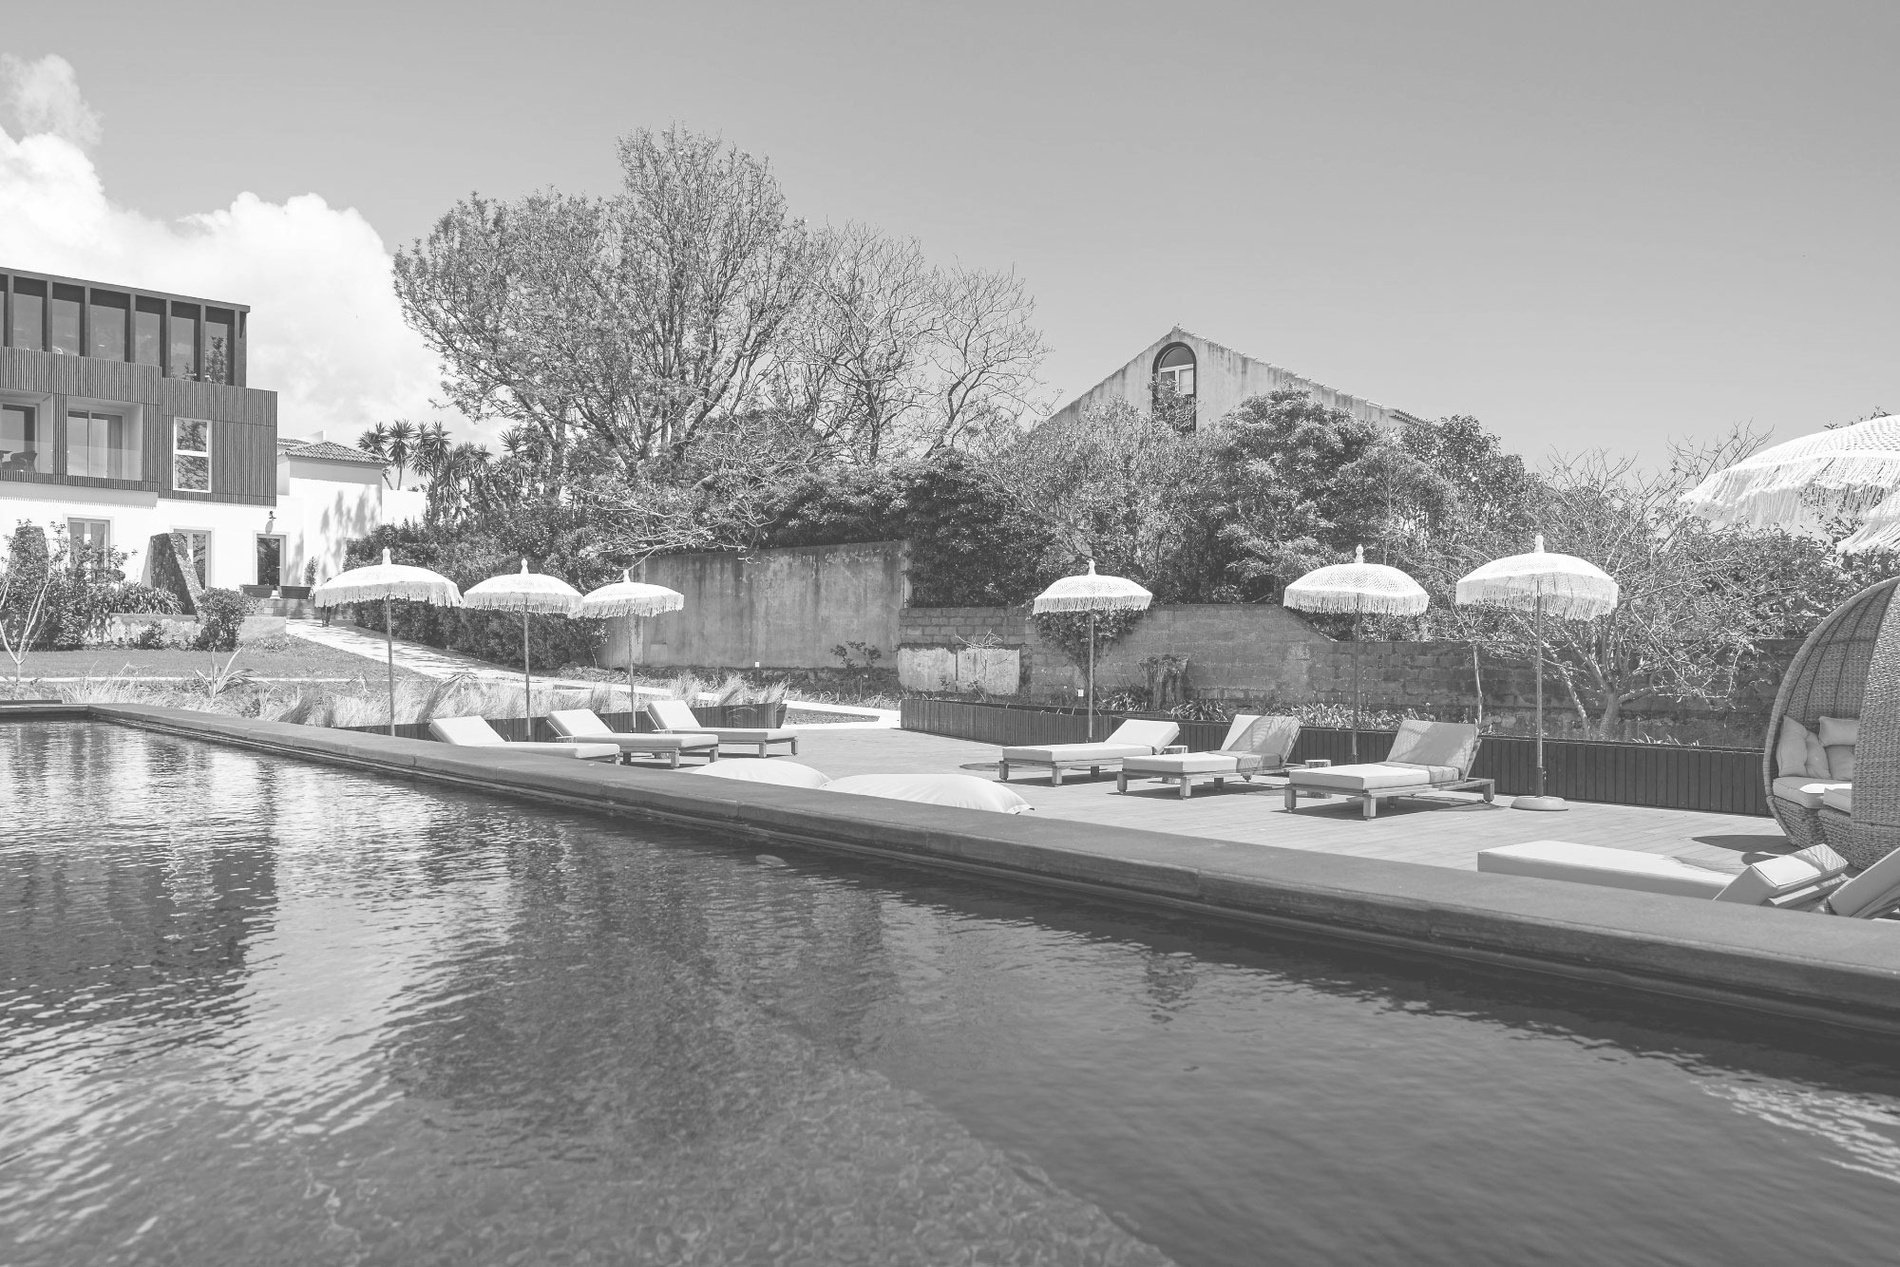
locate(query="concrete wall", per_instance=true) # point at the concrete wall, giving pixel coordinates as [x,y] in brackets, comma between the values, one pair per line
[1223,378]
[780,609]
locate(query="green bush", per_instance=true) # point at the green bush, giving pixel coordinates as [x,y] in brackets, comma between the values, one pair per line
[221,616]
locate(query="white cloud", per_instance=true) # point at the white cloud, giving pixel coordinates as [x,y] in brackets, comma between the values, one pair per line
[326,332]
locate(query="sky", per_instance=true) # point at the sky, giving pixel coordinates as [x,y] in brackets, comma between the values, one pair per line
[1602,225]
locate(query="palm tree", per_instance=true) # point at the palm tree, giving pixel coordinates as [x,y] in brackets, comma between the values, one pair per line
[375,441]
[401,446]
[432,450]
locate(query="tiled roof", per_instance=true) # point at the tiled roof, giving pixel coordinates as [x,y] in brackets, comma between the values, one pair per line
[327,451]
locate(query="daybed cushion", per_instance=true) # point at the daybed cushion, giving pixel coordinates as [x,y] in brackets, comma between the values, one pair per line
[1435,743]
[1375,776]
[961,790]
[1076,753]
[1839,797]
[1791,750]
[1870,893]
[1594,864]
[1839,730]
[1799,789]
[1183,763]
[1784,876]
[783,773]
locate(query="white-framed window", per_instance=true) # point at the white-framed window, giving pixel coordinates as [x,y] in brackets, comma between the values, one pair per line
[94,535]
[1174,370]
[104,441]
[197,552]
[191,455]
[25,440]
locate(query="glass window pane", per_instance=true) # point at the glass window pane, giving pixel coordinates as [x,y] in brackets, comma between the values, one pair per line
[22,448]
[192,474]
[90,539]
[29,315]
[85,445]
[184,342]
[270,560]
[217,352]
[125,442]
[193,435]
[146,347]
[107,336]
[198,552]
[67,302]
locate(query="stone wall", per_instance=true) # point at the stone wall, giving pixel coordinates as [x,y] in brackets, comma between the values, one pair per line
[777,609]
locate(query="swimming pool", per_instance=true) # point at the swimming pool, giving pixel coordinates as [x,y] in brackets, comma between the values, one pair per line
[257,1010]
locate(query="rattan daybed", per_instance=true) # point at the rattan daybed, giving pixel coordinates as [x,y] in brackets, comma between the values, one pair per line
[1848,670]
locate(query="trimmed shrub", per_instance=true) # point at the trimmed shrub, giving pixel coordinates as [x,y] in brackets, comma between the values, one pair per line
[221,616]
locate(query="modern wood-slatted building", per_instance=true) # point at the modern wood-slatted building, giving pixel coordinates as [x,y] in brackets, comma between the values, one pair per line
[126,413]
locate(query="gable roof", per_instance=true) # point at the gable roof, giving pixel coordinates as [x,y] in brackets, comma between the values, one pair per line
[327,451]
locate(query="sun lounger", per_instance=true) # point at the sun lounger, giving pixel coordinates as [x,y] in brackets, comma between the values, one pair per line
[673,716]
[1254,745]
[1131,739]
[473,732]
[583,725]
[1812,879]
[1426,756]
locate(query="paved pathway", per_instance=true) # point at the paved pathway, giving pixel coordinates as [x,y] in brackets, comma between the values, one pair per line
[434,662]
[1448,833]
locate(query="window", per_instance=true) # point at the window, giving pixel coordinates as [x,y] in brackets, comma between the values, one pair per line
[270,560]
[68,307]
[22,446]
[91,539]
[191,455]
[29,315]
[106,446]
[147,345]
[1174,371]
[184,342]
[198,554]
[217,352]
[109,314]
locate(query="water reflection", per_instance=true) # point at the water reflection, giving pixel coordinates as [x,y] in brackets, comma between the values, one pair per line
[254,1005]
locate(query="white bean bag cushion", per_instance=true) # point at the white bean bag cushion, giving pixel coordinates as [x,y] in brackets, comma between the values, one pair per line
[783,773]
[1799,789]
[934,789]
[1593,864]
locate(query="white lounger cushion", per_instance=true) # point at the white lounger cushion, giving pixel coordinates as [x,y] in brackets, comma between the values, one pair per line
[1183,763]
[474,732]
[1872,892]
[1803,790]
[1840,797]
[1076,753]
[961,790]
[1375,776]
[783,773]
[674,715]
[1593,864]
[584,723]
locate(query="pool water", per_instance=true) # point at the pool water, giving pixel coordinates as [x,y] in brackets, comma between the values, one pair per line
[258,1011]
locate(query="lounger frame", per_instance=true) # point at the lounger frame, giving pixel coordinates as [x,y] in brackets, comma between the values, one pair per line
[1369,798]
[1094,765]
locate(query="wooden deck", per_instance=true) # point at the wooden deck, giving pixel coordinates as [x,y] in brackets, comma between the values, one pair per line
[1446,831]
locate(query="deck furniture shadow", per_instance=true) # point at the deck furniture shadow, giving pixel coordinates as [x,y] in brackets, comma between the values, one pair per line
[1131,739]
[584,726]
[673,716]
[1426,756]
[1254,745]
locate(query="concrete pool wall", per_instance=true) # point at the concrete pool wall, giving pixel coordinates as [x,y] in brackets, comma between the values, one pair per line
[1839,971]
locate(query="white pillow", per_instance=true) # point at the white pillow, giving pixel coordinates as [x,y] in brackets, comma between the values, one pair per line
[1791,749]
[1836,731]
[1840,762]
[1817,756]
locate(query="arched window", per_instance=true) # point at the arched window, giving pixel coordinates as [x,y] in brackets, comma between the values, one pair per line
[1174,385]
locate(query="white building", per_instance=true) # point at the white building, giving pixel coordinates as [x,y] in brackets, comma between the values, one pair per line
[125,415]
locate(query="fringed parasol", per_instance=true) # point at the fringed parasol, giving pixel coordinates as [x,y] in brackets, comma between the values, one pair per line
[1846,467]
[1092,593]
[1879,528]
[528,593]
[1358,588]
[1561,585]
[383,582]
[631,598]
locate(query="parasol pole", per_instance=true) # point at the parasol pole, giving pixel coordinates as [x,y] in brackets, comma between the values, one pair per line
[633,699]
[389,645]
[527,684]
[1091,675]
[1537,617]
[1358,619]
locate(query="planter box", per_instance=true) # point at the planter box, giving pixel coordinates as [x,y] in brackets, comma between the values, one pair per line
[294,592]
[1662,776]
[255,591]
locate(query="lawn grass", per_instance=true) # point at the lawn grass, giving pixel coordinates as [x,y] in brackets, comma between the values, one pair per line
[298,659]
